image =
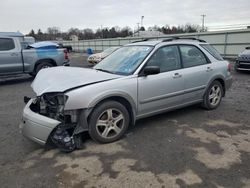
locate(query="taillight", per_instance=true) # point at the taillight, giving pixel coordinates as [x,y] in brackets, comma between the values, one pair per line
[66,54]
[229,67]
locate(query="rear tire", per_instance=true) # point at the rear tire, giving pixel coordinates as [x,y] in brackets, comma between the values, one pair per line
[108,122]
[213,96]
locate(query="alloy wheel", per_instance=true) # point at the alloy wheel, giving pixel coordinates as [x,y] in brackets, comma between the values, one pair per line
[215,95]
[110,123]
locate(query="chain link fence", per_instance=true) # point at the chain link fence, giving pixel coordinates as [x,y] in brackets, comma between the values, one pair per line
[228,43]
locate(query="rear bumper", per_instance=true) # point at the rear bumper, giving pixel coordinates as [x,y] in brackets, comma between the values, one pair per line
[35,126]
[228,82]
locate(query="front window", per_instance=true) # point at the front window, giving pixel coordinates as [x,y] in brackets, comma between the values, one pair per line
[166,58]
[125,60]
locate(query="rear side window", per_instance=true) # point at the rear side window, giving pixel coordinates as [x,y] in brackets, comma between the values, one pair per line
[6,44]
[212,51]
[192,56]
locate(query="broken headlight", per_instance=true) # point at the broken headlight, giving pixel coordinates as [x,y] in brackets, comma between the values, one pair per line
[52,105]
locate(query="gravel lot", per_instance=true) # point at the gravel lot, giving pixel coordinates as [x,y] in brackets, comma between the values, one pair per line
[190,147]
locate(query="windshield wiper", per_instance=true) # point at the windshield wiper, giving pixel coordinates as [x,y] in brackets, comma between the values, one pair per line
[103,70]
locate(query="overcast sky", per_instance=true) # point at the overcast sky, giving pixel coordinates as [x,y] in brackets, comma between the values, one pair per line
[24,15]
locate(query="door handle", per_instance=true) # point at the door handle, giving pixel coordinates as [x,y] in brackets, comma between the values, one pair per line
[209,69]
[177,75]
[14,54]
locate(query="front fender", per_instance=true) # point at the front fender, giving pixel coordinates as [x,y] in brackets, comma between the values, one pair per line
[80,101]
[110,94]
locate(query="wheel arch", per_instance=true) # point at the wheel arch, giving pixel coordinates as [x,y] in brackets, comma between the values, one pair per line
[121,98]
[48,60]
[222,82]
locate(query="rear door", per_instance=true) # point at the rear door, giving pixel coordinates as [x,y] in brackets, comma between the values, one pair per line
[164,90]
[10,56]
[197,70]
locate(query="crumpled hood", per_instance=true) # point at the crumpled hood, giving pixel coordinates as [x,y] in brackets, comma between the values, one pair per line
[60,79]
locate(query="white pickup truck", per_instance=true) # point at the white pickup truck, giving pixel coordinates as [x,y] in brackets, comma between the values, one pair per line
[15,60]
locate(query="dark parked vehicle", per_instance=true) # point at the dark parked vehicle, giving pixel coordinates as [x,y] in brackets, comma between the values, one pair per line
[243,60]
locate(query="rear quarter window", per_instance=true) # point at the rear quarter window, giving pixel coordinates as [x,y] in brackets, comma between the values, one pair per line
[192,56]
[210,49]
[6,44]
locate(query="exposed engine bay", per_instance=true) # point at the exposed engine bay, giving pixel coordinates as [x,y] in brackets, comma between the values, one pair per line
[66,135]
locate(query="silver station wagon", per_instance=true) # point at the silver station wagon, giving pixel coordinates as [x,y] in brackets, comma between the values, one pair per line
[136,81]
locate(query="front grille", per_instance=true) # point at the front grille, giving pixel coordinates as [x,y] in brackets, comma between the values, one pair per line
[244,65]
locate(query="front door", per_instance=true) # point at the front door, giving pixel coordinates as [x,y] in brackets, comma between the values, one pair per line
[164,90]
[10,57]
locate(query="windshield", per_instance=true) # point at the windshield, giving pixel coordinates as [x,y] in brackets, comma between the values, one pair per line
[125,60]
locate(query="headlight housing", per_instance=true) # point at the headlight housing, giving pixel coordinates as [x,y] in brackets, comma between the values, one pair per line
[52,105]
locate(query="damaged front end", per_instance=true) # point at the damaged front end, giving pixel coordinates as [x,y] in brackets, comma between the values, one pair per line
[65,136]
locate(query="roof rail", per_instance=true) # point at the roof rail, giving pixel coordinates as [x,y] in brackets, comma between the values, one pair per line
[140,40]
[168,39]
[180,38]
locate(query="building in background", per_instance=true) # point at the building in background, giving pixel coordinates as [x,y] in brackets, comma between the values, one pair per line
[73,37]
[149,33]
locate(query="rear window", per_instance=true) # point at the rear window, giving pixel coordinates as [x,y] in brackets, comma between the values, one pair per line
[212,51]
[6,44]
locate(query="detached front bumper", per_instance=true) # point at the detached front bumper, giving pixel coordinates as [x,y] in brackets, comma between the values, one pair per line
[35,126]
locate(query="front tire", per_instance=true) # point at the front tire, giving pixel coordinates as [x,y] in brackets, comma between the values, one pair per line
[213,96]
[108,122]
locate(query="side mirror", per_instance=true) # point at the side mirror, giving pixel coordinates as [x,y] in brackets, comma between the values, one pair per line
[150,70]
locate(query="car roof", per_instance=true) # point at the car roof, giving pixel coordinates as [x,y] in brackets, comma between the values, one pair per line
[167,41]
[11,34]
[144,43]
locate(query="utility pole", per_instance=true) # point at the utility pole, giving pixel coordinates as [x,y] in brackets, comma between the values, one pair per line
[142,17]
[138,26]
[102,31]
[203,22]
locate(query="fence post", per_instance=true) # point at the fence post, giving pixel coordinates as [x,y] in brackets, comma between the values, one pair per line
[102,44]
[88,44]
[225,44]
[95,46]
